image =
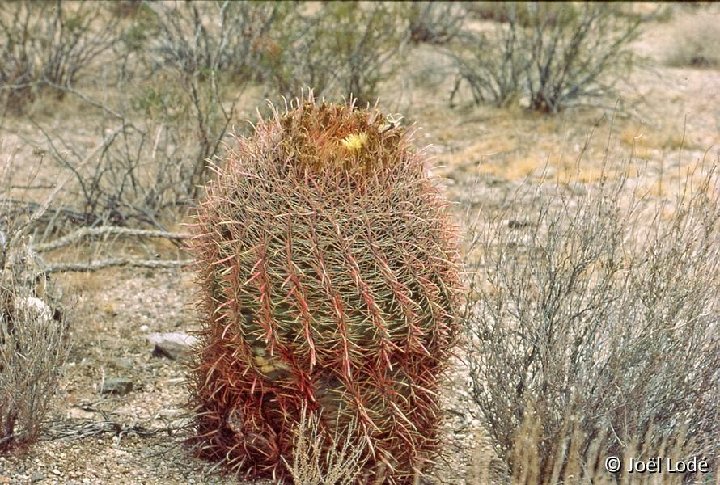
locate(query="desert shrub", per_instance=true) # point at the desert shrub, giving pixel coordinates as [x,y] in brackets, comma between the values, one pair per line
[327,278]
[196,58]
[135,175]
[695,42]
[151,152]
[339,49]
[34,345]
[547,54]
[126,8]
[154,143]
[48,43]
[593,319]
[200,37]
[435,22]
[137,41]
[520,12]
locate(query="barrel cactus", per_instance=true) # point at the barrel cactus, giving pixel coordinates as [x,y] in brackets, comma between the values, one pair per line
[328,280]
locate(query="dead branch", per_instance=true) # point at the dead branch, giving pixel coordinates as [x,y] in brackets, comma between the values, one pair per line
[84,232]
[95,428]
[115,262]
[22,231]
[96,104]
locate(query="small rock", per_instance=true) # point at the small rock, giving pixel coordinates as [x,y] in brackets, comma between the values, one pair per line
[78,413]
[117,385]
[173,345]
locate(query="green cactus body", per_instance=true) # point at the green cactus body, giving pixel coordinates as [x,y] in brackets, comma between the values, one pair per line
[328,278]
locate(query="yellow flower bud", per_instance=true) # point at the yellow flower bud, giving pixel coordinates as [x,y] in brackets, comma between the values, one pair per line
[354,142]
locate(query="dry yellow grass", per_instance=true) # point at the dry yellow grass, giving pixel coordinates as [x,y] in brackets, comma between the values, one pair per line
[572,468]
[647,142]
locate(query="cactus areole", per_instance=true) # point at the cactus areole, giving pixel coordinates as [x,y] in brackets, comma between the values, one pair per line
[327,274]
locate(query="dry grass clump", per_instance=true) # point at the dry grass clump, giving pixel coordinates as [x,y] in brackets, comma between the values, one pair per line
[33,347]
[316,462]
[593,324]
[696,42]
[578,462]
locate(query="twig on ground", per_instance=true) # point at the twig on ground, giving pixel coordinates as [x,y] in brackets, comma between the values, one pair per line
[115,262]
[106,231]
[95,428]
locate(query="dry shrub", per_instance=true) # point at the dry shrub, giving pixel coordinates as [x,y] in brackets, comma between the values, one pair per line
[315,461]
[695,42]
[335,48]
[163,113]
[34,340]
[33,348]
[592,324]
[548,55]
[150,153]
[200,37]
[48,43]
[128,178]
[152,143]
[338,50]
[435,22]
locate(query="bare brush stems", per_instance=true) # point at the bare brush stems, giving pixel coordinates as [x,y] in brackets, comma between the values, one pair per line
[47,43]
[34,344]
[105,231]
[325,460]
[328,279]
[551,55]
[598,315]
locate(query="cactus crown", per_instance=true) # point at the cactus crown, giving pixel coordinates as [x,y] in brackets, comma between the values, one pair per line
[329,138]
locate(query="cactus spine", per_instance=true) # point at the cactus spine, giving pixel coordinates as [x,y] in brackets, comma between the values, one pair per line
[328,278]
